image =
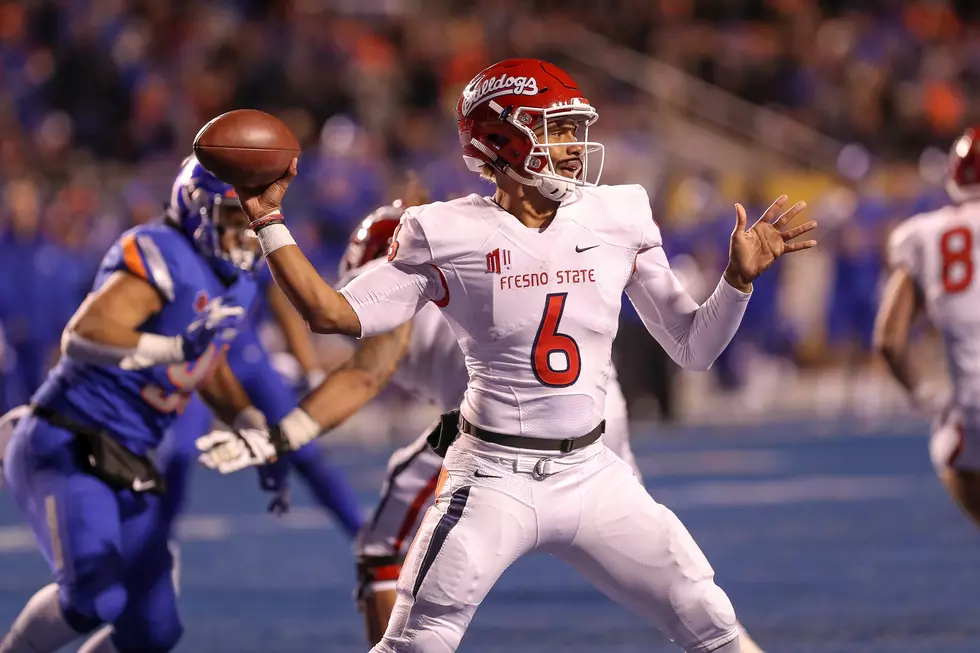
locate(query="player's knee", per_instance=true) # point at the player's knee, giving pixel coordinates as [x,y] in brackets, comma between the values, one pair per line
[377,574]
[439,631]
[707,611]
[85,608]
[731,646]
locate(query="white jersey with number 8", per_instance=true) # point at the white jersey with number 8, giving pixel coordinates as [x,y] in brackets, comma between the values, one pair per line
[941,250]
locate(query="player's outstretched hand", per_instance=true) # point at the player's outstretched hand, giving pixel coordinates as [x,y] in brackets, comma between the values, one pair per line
[260,202]
[229,452]
[754,249]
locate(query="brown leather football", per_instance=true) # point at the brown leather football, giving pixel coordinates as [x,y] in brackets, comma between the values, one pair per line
[246,148]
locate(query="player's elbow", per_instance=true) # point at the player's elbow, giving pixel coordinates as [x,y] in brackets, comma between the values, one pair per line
[889,348]
[331,314]
[695,363]
[87,326]
[363,383]
[324,322]
[320,323]
[694,359]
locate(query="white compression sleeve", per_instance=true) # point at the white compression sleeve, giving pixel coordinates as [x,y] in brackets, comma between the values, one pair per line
[391,294]
[151,349]
[694,336]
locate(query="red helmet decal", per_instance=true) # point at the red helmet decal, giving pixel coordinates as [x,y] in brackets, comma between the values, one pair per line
[484,89]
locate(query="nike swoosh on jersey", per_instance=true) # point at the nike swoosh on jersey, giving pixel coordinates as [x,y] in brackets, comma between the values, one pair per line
[480,474]
[584,249]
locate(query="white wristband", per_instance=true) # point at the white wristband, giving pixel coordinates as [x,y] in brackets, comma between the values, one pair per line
[299,428]
[273,237]
[152,349]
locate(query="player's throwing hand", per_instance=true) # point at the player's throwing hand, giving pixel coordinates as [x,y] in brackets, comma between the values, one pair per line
[260,202]
[753,250]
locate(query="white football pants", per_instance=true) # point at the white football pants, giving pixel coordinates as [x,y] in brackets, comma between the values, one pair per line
[496,504]
[412,474]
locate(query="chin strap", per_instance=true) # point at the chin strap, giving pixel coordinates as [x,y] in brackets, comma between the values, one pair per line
[553,189]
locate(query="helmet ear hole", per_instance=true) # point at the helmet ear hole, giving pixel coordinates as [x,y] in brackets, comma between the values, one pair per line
[498,140]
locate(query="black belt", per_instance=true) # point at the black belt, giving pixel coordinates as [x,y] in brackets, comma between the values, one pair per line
[101,455]
[61,421]
[538,444]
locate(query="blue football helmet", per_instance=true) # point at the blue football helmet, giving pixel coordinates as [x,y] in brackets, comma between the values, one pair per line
[196,202]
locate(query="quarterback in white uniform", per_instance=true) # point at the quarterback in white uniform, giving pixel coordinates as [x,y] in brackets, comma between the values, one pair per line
[933,259]
[432,369]
[531,282]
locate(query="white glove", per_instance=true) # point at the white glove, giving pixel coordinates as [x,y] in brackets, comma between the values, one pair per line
[229,452]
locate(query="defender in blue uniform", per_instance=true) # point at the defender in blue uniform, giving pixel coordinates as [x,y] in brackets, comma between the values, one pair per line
[167,301]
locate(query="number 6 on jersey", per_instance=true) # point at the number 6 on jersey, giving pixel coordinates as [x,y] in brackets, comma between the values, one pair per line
[548,343]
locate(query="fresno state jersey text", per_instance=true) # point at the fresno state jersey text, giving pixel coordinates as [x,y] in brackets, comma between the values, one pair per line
[540,309]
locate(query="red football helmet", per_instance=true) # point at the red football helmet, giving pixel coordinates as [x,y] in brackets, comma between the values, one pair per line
[963,180]
[372,237]
[499,111]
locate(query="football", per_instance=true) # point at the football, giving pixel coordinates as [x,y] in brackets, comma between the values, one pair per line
[246,148]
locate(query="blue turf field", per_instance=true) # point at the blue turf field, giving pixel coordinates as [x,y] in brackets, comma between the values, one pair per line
[827,541]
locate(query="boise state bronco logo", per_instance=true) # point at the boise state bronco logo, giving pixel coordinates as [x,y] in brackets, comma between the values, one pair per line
[492,87]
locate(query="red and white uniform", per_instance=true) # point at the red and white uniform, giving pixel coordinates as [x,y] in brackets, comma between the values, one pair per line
[940,250]
[537,330]
[535,314]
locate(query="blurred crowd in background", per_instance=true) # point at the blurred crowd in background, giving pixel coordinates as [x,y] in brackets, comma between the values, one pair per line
[100,101]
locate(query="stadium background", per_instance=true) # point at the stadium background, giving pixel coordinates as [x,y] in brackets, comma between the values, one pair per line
[827,539]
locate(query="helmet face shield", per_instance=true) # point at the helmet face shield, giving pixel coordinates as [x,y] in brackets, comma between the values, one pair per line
[207,211]
[225,237]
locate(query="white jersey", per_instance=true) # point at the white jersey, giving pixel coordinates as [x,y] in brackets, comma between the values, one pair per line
[432,369]
[535,312]
[940,249]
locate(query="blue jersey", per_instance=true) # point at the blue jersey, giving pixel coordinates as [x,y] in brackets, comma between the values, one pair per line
[249,360]
[268,390]
[137,406]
